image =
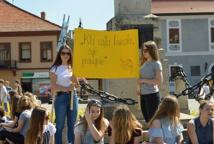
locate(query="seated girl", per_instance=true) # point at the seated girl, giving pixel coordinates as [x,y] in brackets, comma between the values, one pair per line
[200,129]
[17,134]
[92,127]
[124,127]
[165,127]
[40,131]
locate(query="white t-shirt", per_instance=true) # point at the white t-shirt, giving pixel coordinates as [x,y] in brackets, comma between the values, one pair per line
[64,74]
[206,89]
[49,130]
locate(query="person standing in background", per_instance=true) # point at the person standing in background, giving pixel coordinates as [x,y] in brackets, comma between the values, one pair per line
[3,95]
[150,78]
[18,87]
[7,85]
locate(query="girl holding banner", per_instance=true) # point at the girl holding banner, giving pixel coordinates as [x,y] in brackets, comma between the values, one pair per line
[150,77]
[63,85]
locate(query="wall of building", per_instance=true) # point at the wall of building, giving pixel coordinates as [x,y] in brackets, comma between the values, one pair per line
[35,50]
[188,61]
[7,75]
[195,35]
[132,7]
[35,66]
[195,45]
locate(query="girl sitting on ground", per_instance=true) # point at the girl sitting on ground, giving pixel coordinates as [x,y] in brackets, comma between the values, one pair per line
[200,129]
[92,127]
[15,113]
[124,127]
[17,134]
[164,127]
[40,130]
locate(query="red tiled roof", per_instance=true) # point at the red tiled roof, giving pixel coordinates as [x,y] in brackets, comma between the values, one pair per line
[14,19]
[182,6]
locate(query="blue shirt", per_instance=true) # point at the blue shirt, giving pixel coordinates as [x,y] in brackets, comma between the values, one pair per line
[167,132]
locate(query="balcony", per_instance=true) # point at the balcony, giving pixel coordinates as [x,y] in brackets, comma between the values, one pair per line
[8,64]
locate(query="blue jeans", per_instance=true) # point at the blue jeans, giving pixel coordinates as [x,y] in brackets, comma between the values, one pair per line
[62,108]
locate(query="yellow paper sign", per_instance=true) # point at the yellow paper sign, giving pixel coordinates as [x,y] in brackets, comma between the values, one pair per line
[106,54]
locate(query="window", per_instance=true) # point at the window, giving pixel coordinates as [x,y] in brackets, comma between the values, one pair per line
[25,52]
[4,51]
[211,34]
[46,51]
[195,71]
[173,36]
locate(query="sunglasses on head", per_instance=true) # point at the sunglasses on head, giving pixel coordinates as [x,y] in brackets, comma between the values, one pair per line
[95,102]
[65,53]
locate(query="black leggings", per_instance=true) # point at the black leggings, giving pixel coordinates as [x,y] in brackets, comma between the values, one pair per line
[149,104]
[16,138]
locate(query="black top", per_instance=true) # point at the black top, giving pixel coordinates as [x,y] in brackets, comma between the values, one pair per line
[204,133]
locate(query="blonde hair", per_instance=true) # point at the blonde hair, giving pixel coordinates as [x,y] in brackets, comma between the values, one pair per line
[152,50]
[169,108]
[32,98]
[124,123]
[24,103]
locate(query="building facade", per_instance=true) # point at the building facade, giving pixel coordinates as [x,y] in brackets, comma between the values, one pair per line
[187,29]
[27,47]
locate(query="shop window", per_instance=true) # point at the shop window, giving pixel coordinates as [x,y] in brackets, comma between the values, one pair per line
[25,52]
[195,71]
[46,51]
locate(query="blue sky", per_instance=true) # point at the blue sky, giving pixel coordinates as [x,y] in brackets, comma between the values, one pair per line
[94,13]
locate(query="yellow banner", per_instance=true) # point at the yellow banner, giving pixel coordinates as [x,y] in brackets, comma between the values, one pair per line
[106,54]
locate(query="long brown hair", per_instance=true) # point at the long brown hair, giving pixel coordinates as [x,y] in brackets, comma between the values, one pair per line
[35,131]
[99,122]
[58,60]
[168,108]
[14,105]
[152,50]
[124,123]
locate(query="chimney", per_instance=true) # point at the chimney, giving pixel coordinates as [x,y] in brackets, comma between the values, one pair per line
[43,15]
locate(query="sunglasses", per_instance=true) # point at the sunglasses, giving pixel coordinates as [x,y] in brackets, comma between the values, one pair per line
[145,50]
[65,53]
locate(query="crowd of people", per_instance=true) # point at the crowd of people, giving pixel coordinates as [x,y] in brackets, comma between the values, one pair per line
[28,122]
